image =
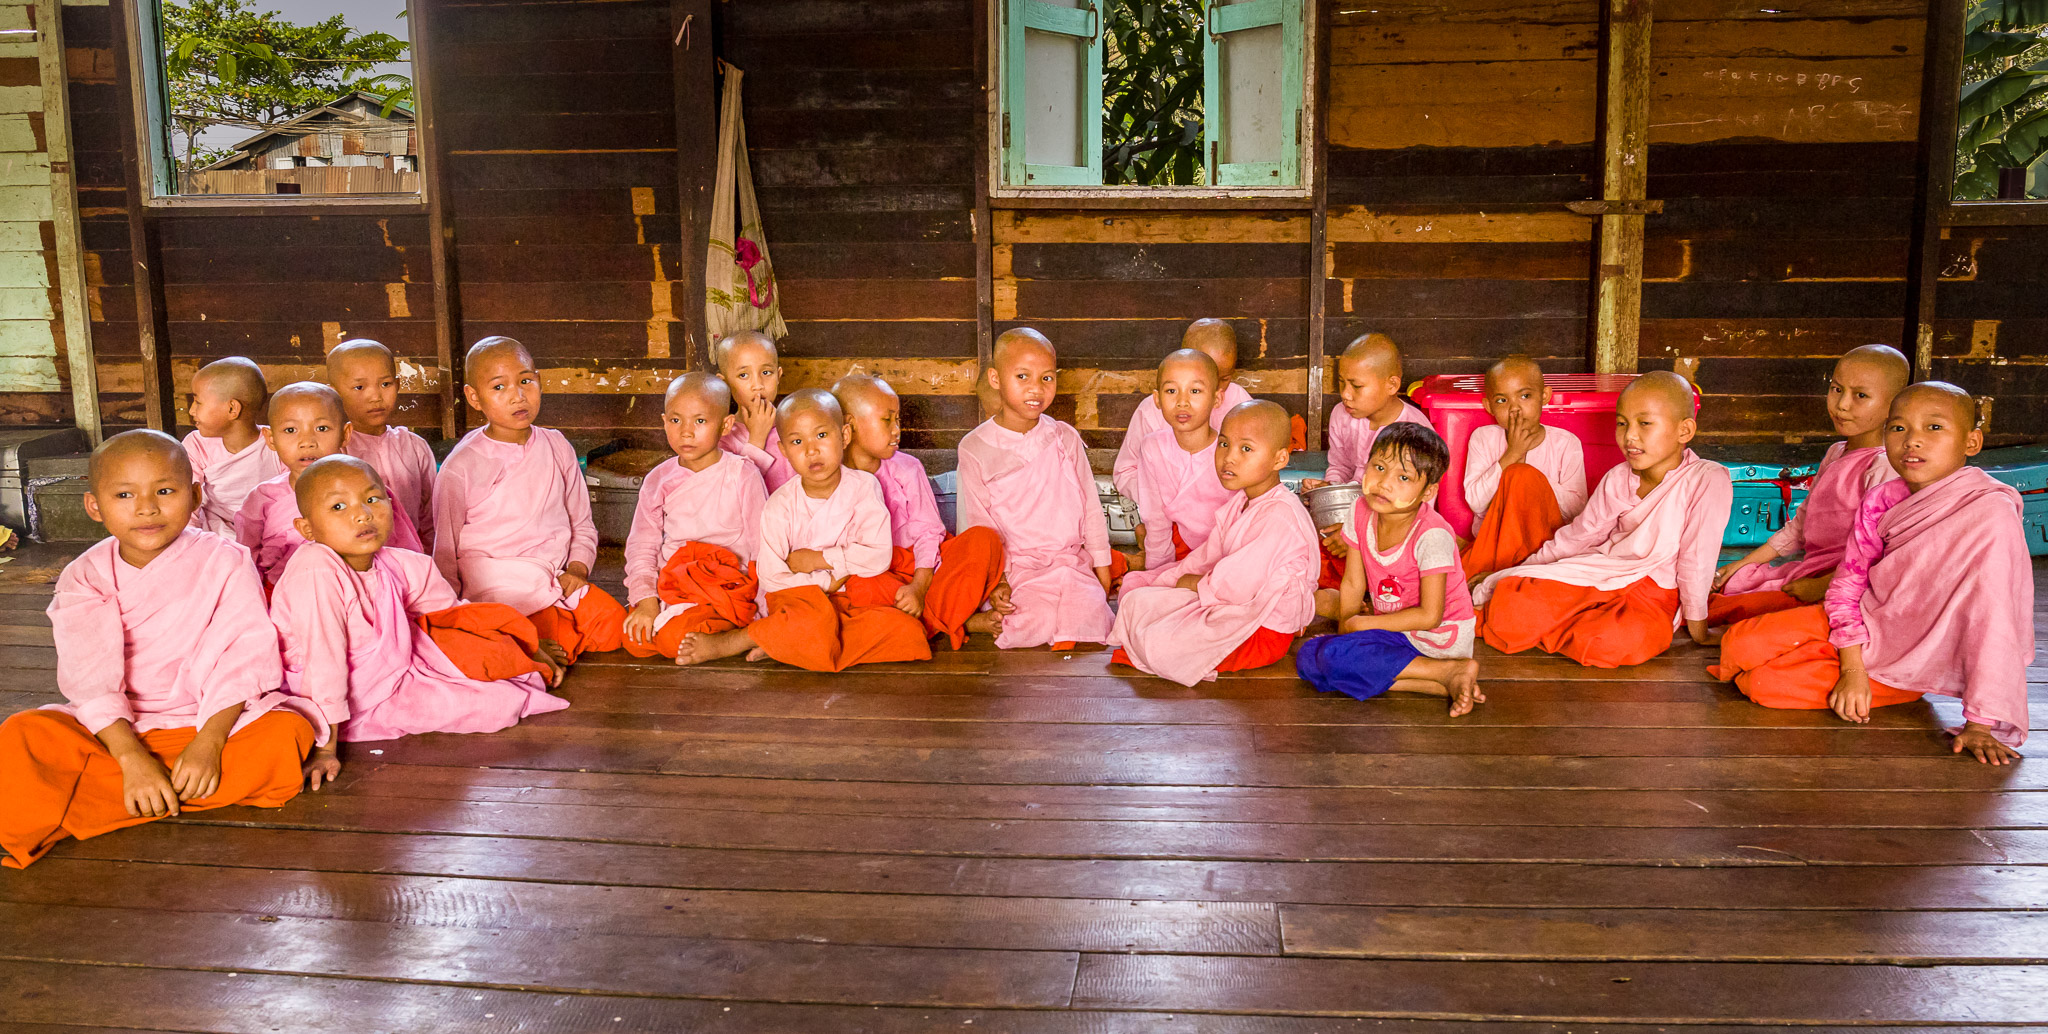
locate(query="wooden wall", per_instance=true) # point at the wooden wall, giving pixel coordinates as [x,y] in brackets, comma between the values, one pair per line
[31,334]
[1782,148]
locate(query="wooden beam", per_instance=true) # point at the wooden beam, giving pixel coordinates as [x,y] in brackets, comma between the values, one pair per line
[441,251]
[152,331]
[1318,232]
[695,65]
[78,351]
[1933,176]
[1624,176]
[984,216]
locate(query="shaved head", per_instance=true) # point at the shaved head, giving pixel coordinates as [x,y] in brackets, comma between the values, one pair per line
[1377,351]
[359,350]
[1666,387]
[1960,402]
[156,446]
[707,386]
[1191,357]
[324,470]
[1217,338]
[809,400]
[234,378]
[722,349]
[1261,421]
[857,392]
[1889,362]
[306,393]
[1019,340]
[490,348]
[1513,367]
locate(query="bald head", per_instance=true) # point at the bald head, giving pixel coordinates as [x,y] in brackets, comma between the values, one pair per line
[859,393]
[159,451]
[1020,341]
[1515,369]
[327,470]
[1888,363]
[808,400]
[707,386]
[1215,338]
[490,350]
[1375,352]
[1961,405]
[235,379]
[303,395]
[1193,359]
[1665,389]
[1261,421]
[722,350]
[358,352]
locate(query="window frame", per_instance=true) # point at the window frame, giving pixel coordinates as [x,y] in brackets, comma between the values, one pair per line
[1003,193]
[142,27]
[1945,38]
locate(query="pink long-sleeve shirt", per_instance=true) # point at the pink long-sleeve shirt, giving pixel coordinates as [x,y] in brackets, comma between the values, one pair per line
[406,463]
[1350,439]
[719,506]
[1865,546]
[1147,421]
[168,645]
[509,519]
[851,527]
[913,510]
[1671,536]
[1176,488]
[1036,490]
[773,465]
[1560,458]
[265,526]
[226,478]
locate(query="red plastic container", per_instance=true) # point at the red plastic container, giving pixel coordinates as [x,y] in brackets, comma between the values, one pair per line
[1582,403]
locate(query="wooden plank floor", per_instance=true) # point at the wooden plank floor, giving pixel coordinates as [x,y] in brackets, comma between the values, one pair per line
[1030,843]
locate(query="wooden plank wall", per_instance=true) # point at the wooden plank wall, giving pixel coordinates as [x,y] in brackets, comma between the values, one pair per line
[1992,334]
[31,334]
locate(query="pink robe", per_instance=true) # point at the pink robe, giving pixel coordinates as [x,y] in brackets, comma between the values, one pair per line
[406,462]
[1350,438]
[851,528]
[1948,605]
[352,649]
[1258,571]
[226,478]
[773,465]
[265,526]
[1036,491]
[1560,458]
[1147,421]
[1819,532]
[720,506]
[914,520]
[1672,536]
[1176,489]
[169,645]
[510,519]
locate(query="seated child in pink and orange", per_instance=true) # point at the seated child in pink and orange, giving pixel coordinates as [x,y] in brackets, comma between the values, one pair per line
[229,451]
[366,375]
[1214,338]
[306,424]
[1177,485]
[1523,478]
[752,370]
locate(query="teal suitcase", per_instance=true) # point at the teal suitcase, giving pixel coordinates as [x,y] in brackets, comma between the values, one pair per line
[1766,496]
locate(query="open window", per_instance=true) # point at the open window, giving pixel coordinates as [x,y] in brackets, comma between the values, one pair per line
[2002,109]
[298,99]
[1141,96]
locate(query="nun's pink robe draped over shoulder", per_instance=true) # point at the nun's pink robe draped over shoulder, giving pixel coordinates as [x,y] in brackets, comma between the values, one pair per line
[1036,490]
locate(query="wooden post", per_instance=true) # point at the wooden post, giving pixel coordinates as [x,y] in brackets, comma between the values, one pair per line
[1318,235]
[434,188]
[84,370]
[1624,176]
[1933,176]
[695,65]
[152,331]
[984,230]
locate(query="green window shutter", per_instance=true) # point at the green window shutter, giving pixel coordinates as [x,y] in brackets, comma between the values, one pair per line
[1052,92]
[1252,92]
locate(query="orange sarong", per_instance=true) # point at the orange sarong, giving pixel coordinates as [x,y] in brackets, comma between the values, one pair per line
[710,577]
[1262,647]
[1783,659]
[1522,517]
[1728,610]
[1608,628]
[970,567]
[487,641]
[597,624]
[61,781]
[806,628]
[880,590]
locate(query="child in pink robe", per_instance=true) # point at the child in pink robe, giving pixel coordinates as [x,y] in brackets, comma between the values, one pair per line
[753,372]
[366,375]
[228,448]
[1523,478]
[1240,597]
[1218,340]
[169,669]
[1026,475]
[1178,489]
[1369,393]
[512,512]
[306,424]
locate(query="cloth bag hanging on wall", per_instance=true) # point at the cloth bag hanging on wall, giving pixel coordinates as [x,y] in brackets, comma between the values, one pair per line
[739,281]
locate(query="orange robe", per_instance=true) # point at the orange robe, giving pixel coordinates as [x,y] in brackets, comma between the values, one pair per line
[1723,611]
[61,781]
[809,625]
[970,568]
[806,628]
[1522,516]
[595,624]
[1599,628]
[719,589]
[487,641]
[1783,659]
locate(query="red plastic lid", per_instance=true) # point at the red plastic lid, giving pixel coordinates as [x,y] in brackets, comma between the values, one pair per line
[1475,384]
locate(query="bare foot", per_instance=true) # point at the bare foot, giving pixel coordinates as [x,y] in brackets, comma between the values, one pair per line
[1326,603]
[757,654]
[985,622]
[700,647]
[558,655]
[1465,692]
[553,674]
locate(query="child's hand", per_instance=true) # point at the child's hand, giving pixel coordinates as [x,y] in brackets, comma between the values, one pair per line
[1727,571]
[1333,541]
[1851,696]
[1311,484]
[1811,590]
[1102,575]
[999,599]
[146,788]
[910,599]
[571,583]
[758,417]
[1522,437]
[1190,582]
[640,621]
[807,561]
[322,766]
[1356,623]
[1977,739]
[1703,635]
[196,773]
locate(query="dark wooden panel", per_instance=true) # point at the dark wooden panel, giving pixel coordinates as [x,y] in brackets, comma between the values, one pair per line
[930,46]
[1157,261]
[1751,299]
[1273,343]
[1081,299]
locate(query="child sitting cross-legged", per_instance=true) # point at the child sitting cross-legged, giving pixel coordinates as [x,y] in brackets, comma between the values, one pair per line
[307,424]
[1405,619]
[1523,478]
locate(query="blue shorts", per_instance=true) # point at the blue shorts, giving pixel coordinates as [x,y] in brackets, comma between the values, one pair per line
[1356,664]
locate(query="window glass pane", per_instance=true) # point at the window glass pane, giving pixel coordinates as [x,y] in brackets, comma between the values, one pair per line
[289,97]
[1055,63]
[2002,116]
[1253,108]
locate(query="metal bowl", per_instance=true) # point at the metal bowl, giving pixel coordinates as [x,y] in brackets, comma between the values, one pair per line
[1330,504]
